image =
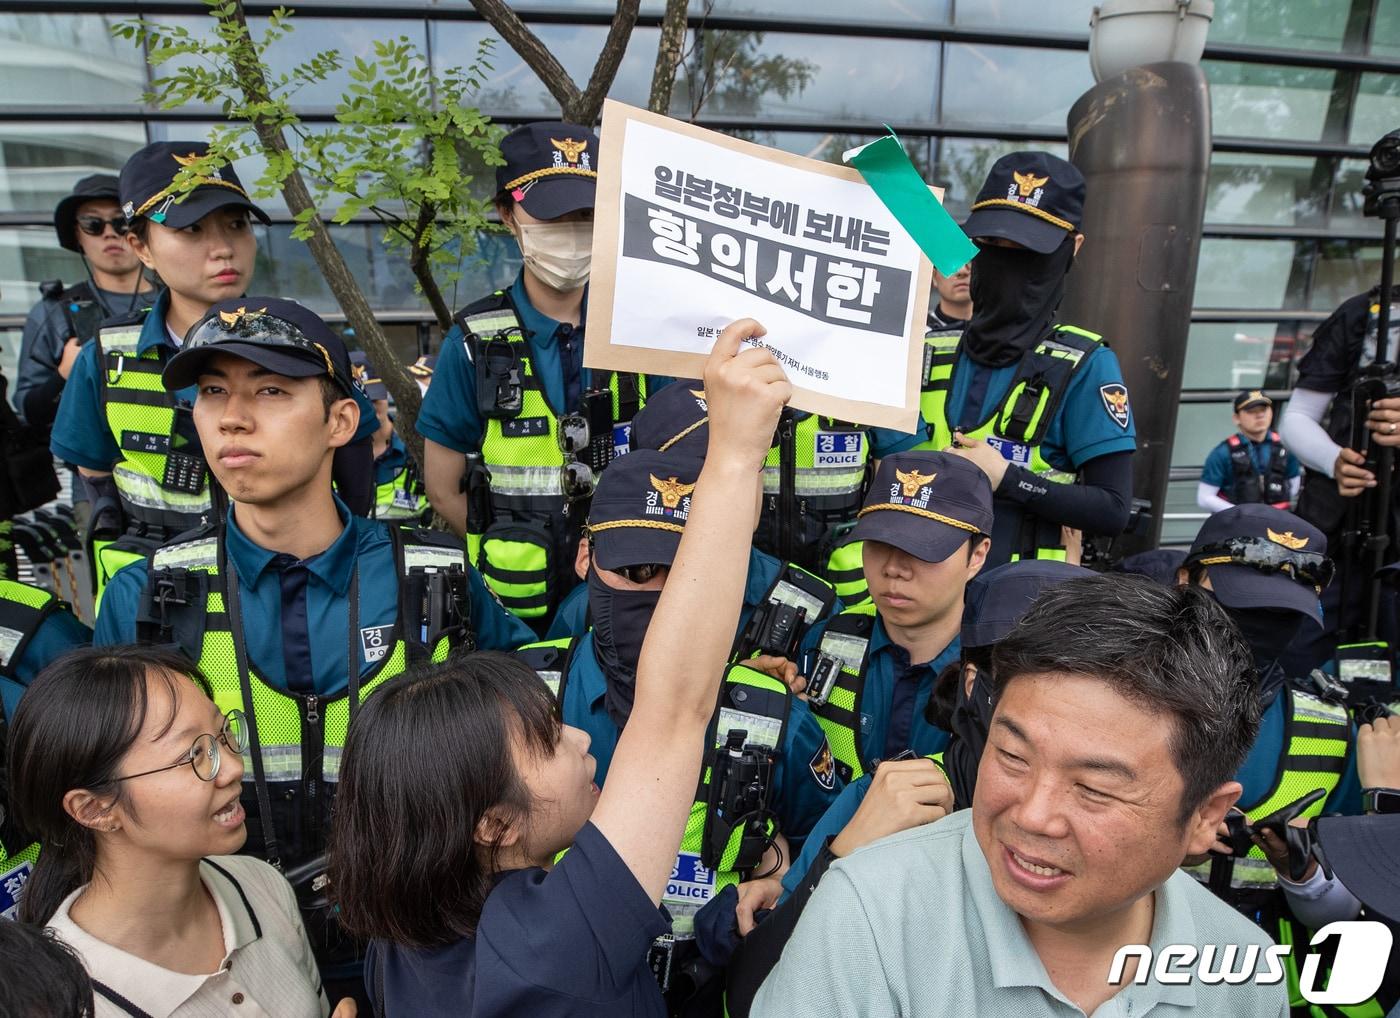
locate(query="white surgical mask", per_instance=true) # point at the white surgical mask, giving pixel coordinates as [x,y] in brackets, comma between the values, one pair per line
[559,254]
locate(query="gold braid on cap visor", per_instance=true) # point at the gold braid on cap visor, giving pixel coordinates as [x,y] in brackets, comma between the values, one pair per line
[549,171]
[925,513]
[645,524]
[1063,224]
[169,192]
[1226,560]
[676,438]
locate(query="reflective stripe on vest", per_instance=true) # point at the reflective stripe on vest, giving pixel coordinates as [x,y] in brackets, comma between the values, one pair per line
[279,714]
[135,402]
[846,570]
[1319,737]
[847,639]
[390,498]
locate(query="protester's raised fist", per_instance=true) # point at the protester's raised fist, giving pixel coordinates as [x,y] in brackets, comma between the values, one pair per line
[745,390]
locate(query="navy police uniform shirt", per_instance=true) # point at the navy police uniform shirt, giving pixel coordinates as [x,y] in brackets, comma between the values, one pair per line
[896,694]
[1219,472]
[572,617]
[450,415]
[59,633]
[805,786]
[80,432]
[554,943]
[281,614]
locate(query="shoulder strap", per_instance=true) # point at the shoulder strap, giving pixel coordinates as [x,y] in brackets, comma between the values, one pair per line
[551,661]
[23,609]
[1041,381]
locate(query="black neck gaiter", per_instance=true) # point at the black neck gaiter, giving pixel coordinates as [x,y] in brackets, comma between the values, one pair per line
[1015,292]
[620,620]
[1268,632]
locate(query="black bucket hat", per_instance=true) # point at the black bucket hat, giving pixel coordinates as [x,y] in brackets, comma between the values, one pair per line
[96,187]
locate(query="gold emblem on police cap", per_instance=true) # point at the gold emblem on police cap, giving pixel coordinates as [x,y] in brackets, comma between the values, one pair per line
[232,318]
[1287,539]
[1026,183]
[571,148]
[912,481]
[671,489]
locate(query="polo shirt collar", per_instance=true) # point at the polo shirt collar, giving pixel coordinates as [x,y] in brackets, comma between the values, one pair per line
[880,641]
[539,328]
[1014,961]
[153,330]
[332,566]
[159,991]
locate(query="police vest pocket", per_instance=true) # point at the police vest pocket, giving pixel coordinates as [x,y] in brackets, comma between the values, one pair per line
[517,563]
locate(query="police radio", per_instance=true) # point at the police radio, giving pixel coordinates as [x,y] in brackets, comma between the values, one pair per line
[822,681]
[740,778]
[500,380]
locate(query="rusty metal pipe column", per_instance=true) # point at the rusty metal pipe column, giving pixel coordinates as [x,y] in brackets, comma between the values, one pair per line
[1142,141]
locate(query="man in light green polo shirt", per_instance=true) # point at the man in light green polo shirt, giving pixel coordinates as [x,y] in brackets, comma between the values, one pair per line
[1122,709]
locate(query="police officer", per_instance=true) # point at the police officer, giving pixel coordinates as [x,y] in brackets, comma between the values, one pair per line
[952,307]
[676,421]
[1251,465]
[36,628]
[1267,567]
[637,516]
[398,486]
[870,671]
[899,794]
[1040,406]
[293,607]
[90,223]
[513,389]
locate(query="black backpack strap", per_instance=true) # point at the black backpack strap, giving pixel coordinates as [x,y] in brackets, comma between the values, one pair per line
[25,620]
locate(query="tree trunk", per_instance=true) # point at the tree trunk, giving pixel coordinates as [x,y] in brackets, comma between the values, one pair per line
[407,397]
[668,56]
[590,104]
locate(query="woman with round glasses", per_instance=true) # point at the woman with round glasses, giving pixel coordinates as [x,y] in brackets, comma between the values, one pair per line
[130,776]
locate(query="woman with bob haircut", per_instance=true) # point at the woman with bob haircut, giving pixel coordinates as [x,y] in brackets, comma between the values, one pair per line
[459,786]
[127,773]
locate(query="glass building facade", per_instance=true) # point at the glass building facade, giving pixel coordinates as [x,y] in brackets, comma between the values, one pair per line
[1300,89]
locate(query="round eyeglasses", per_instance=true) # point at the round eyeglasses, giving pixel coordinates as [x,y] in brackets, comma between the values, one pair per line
[204,756]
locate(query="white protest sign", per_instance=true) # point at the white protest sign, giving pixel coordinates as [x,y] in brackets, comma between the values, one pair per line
[693,229]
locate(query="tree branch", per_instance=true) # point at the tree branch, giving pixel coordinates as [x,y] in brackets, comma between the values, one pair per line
[536,56]
[588,106]
[422,270]
[668,56]
[253,82]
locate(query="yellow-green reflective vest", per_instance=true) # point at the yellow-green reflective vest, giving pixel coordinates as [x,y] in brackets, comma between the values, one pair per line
[750,701]
[1017,427]
[1318,740]
[401,497]
[832,463]
[847,639]
[527,555]
[300,735]
[23,609]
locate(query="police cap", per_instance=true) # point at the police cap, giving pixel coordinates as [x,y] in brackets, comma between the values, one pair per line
[366,377]
[96,187]
[147,186]
[676,418]
[279,335]
[1032,198]
[640,507]
[1257,556]
[551,169]
[1251,398]
[1360,850]
[997,599]
[927,504]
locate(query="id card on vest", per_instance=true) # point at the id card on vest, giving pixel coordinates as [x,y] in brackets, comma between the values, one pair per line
[762,731]
[839,449]
[9,641]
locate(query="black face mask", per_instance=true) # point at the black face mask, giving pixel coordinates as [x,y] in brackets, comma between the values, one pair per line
[1014,296]
[1267,631]
[620,620]
[972,718]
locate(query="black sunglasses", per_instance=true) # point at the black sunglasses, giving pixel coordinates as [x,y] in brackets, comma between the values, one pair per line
[1308,567]
[95,226]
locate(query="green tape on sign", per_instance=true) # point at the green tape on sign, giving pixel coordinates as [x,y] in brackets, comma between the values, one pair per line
[895,182]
